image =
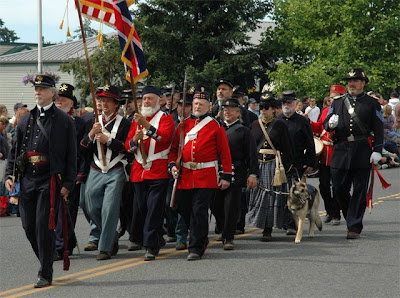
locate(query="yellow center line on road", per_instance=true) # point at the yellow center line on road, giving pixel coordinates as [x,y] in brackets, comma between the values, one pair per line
[102,270]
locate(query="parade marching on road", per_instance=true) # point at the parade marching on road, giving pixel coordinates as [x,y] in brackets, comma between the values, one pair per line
[326,266]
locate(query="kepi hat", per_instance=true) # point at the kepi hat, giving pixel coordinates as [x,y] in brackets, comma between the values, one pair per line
[357,73]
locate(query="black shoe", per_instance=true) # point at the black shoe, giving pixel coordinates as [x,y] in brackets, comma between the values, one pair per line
[327,219]
[239,231]
[134,246]
[58,256]
[121,231]
[193,257]
[181,246]
[352,235]
[150,254]
[228,245]
[162,242]
[42,283]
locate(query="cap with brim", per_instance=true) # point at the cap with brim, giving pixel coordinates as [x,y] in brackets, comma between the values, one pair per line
[188,101]
[357,74]
[224,81]
[267,96]
[239,90]
[109,91]
[252,100]
[338,89]
[126,94]
[44,81]
[201,95]
[288,96]
[151,89]
[19,105]
[393,134]
[67,90]
[231,102]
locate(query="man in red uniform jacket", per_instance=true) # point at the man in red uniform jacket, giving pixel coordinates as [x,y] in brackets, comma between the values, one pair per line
[205,142]
[149,174]
[330,197]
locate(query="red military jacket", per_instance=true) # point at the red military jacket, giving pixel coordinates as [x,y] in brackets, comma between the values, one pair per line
[160,134]
[326,138]
[211,142]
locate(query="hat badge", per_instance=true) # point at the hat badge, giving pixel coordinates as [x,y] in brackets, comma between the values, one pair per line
[333,88]
[63,88]
[202,89]
[363,74]
[227,103]
[352,73]
[106,87]
[191,90]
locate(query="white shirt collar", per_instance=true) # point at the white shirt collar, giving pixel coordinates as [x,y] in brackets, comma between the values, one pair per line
[45,108]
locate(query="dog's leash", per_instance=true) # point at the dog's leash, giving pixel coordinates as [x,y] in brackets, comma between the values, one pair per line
[278,192]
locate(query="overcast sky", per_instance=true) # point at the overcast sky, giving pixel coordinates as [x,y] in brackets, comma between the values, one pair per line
[22,17]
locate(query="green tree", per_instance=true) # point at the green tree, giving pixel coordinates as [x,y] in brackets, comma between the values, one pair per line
[87,28]
[7,35]
[315,43]
[206,38]
[106,67]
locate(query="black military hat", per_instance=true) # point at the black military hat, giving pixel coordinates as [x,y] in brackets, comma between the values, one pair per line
[127,94]
[201,95]
[189,99]
[231,102]
[109,91]
[151,89]
[167,89]
[67,90]
[224,81]
[44,81]
[267,96]
[239,90]
[357,73]
[197,87]
[19,105]
[288,96]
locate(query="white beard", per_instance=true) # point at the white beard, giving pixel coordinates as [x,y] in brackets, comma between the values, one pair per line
[287,111]
[65,110]
[198,113]
[149,111]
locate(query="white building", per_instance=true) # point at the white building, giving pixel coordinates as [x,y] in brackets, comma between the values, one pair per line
[14,67]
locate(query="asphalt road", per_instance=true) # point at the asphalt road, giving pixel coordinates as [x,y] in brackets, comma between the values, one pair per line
[328,265]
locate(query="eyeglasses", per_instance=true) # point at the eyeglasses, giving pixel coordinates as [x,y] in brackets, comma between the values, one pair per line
[262,107]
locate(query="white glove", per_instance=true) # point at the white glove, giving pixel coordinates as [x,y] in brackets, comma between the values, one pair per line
[333,121]
[375,157]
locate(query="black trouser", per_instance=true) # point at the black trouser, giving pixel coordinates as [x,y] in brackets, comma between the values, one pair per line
[34,204]
[330,198]
[125,210]
[135,229]
[171,215]
[193,205]
[353,206]
[73,203]
[226,209]
[244,206]
[151,199]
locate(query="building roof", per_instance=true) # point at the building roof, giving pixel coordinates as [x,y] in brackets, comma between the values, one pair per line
[14,47]
[62,52]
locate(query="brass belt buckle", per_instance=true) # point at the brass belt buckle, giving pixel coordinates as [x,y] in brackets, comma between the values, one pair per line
[193,166]
[35,159]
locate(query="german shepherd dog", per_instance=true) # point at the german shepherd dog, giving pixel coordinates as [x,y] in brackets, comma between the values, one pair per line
[303,201]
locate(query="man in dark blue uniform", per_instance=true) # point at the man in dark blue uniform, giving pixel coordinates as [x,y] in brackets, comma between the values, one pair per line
[226,207]
[353,118]
[45,155]
[66,102]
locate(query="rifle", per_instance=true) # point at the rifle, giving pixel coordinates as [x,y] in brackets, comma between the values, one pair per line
[141,145]
[181,141]
[172,99]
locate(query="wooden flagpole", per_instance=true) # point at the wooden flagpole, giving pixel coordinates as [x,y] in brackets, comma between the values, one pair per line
[96,113]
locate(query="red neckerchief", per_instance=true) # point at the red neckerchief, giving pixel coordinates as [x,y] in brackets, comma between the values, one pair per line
[71,111]
[112,118]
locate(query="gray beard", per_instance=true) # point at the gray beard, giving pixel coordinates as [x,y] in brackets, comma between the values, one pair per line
[149,111]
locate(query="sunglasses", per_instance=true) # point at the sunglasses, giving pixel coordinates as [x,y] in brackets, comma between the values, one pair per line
[266,107]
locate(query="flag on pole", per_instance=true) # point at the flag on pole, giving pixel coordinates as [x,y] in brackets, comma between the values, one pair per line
[115,13]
